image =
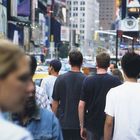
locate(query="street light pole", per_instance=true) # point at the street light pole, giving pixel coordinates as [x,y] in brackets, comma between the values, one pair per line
[117,47]
[71,33]
[71,40]
[119,35]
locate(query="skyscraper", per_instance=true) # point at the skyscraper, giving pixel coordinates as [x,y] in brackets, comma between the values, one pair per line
[84,18]
[107,13]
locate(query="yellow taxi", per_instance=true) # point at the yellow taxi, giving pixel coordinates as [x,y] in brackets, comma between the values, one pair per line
[37,78]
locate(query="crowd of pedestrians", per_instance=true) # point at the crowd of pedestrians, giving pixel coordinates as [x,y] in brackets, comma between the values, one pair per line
[70,106]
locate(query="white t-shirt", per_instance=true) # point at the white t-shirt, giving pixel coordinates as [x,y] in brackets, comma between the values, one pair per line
[9,131]
[123,104]
[48,84]
[42,98]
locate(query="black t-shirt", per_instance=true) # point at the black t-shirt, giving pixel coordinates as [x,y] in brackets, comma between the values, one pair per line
[67,90]
[94,93]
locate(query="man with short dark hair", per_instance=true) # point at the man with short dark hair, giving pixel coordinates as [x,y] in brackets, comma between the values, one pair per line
[66,95]
[122,103]
[47,84]
[112,67]
[92,101]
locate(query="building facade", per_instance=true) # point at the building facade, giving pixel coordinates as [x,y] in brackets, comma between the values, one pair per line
[83,19]
[107,13]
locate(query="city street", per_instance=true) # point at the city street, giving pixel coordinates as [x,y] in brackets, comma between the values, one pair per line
[69,69]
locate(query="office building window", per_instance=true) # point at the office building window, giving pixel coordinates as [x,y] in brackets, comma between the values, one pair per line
[82,3]
[82,8]
[75,2]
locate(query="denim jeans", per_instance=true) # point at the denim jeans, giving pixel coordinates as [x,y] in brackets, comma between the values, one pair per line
[93,136]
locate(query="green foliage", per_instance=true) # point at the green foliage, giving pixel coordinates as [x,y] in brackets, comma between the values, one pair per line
[63,51]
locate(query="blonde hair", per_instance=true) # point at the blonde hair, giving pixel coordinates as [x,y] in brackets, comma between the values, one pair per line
[10,54]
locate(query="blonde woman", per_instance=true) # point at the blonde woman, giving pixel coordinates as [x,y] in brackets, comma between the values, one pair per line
[14,82]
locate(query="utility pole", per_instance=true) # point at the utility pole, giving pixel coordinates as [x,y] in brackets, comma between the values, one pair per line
[118,37]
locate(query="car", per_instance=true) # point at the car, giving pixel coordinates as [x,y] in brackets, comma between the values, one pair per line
[39,76]
[42,68]
[89,68]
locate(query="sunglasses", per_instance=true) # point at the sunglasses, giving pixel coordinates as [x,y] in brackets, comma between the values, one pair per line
[24,77]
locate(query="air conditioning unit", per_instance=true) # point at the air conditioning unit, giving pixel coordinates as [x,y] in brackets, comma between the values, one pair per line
[129,24]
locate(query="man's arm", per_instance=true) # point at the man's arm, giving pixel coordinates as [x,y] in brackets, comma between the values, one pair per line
[108,127]
[56,95]
[81,110]
[55,105]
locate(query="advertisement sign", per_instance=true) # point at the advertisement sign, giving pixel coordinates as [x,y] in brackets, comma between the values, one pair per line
[65,34]
[133,3]
[3,23]
[63,2]
[13,8]
[42,24]
[26,38]
[129,24]
[4,2]
[60,1]
[15,33]
[23,8]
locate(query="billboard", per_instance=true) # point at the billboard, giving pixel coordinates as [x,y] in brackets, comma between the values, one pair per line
[3,23]
[4,2]
[65,34]
[133,3]
[13,10]
[62,2]
[23,8]
[129,24]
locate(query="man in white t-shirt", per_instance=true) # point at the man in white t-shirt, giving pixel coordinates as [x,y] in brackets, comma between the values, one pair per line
[122,103]
[48,83]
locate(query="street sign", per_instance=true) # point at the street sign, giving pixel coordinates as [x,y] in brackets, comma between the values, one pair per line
[133,3]
[65,34]
[129,24]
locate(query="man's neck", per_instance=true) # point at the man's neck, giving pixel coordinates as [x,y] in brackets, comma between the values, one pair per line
[133,80]
[55,74]
[101,71]
[75,69]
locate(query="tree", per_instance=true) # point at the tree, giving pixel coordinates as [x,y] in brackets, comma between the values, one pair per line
[63,50]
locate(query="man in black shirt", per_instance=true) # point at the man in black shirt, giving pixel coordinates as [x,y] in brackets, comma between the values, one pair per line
[92,100]
[66,96]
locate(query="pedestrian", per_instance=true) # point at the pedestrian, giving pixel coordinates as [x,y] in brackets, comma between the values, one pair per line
[112,67]
[92,100]
[66,95]
[122,103]
[42,123]
[47,84]
[41,96]
[14,80]
[118,73]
